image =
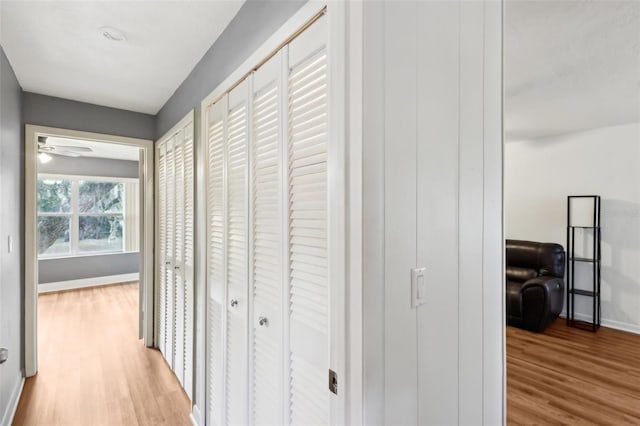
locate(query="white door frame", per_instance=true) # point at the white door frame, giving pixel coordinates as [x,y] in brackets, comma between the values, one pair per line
[31,244]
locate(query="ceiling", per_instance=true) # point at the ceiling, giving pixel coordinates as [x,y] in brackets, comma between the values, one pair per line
[56,48]
[99,149]
[570,66]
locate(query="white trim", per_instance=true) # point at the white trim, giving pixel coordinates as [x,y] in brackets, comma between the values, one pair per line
[63,176]
[297,21]
[354,39]
[195,416]
[616,325]
[74,256]
[12,406]
[87,282]
[146,167]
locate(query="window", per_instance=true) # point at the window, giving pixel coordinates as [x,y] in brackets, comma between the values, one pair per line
[81,215]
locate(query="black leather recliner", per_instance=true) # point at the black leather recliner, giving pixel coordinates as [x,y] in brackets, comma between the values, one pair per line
[535,285]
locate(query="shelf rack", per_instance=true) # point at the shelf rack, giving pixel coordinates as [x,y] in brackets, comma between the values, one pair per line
[572,259]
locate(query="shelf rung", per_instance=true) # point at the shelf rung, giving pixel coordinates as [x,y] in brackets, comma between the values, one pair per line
[584,259]
[583,292]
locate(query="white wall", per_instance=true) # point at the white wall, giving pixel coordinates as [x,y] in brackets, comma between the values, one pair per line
[540,174]
[432,181]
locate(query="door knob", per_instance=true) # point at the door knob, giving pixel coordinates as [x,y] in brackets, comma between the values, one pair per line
[167,263]
[177,268]
[233,303]
[264,322]
[4,355]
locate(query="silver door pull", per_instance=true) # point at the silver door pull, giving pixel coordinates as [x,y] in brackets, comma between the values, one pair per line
[233,303]
[176,268]
[264,322]
[167,263]
[4,355]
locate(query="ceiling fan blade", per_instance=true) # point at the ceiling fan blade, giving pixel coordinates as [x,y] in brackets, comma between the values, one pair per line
[65,153]
[72,148]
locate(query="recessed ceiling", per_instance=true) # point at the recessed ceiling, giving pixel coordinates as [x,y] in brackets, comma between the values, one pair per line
[570,66]
[98,149]
[56,48]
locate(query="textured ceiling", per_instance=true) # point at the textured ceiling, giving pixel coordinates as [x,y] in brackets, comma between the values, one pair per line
[55,47]
[570,66]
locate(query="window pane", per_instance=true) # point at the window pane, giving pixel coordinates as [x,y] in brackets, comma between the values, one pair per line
[101,197]
[54,196]
[100,233]
[53,235]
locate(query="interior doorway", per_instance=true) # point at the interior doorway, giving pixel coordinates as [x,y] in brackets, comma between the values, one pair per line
[571,132]
[97,219]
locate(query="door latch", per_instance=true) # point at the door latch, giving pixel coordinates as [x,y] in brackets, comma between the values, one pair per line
[333,381]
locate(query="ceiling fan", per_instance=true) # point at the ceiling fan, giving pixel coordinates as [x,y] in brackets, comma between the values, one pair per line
[64,150]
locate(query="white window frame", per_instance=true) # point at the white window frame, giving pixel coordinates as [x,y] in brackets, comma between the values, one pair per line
[74,214]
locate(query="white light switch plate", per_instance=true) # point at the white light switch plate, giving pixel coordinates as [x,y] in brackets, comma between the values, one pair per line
[418,287]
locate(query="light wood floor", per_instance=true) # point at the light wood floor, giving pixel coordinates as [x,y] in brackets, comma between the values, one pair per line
[573,377]
[93,370]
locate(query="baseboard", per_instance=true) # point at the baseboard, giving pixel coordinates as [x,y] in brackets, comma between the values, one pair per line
[87,282]
[196,416]
[617,325]
[12,406]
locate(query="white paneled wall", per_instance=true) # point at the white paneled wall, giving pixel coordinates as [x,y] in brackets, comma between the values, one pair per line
[175,250]
[432,198]
[268,289]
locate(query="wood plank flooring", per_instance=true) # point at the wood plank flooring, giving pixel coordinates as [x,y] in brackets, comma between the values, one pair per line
[573,377]
[93,369]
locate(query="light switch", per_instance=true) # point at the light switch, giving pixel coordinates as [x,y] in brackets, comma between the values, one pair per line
[418,287]
[10,244]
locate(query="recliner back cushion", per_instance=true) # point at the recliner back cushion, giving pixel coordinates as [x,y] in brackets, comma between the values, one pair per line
[516,273]
[546,258]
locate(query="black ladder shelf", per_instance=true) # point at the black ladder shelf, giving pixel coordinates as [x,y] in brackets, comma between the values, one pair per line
[588,222]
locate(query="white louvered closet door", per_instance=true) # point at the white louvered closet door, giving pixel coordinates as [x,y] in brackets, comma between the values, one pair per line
[308,312]
[188,262]
[178,262]
[216,268]
[237,255]
[169,253]
[175,250]
[161,155]
[266,268]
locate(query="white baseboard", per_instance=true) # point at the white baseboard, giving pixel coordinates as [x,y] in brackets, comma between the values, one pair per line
[12,406]
[87,282]
[618,325]
[196,416]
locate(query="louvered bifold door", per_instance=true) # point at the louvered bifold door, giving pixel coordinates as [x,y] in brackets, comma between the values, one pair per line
[237,255]
[188,262]
[170,252]
[308,227]
[162,246]
[178,268]
[216,269]
[266,268]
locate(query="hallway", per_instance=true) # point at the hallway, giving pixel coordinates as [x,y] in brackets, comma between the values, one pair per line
[93,369]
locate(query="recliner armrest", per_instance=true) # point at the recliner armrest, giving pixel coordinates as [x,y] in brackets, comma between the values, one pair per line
[543,298]
[548,283]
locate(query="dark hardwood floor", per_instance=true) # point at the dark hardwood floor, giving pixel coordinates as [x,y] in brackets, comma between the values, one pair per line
[573,377]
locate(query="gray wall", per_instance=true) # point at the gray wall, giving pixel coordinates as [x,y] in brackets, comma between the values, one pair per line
[76,268]
[90,167]
[256,21]
[11,224]
[62,113]
[65,114]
